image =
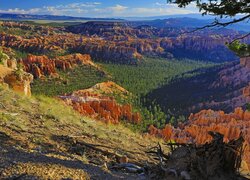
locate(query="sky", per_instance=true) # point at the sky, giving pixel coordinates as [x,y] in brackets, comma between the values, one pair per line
[95,8]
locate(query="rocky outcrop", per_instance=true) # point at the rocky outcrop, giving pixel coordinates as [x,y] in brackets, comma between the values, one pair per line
[12,76]
[234,80]
[108,88]
[41,66]
[149,40]
[245,61]
[120,43]
[96,103]
[69,61]
[18,80]
[219,88]
[246,91]
[196,129]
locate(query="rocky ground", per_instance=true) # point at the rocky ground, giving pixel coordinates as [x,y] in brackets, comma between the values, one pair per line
[41,138]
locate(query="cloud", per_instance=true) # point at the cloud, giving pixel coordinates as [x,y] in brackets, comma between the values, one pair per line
[118,8]
[169,10]
[21,11]
[73,9]
[97,9]
[160,4]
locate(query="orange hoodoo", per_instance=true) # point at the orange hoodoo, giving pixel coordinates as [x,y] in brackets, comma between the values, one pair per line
[196,130]
[95,103]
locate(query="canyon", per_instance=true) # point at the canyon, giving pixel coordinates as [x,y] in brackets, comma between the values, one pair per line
[219,88]
[122,43]
[214,98]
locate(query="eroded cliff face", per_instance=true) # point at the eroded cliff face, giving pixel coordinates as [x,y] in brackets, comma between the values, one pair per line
[96,103]
[246,91]
[121,43]
[245,61]
[149,40]
[18,80]
[41,66]
[12,76]
[196,129]
[235,80]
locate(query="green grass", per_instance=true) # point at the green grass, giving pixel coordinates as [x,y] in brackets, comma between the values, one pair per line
[150,74]
[43,115]
[81,77]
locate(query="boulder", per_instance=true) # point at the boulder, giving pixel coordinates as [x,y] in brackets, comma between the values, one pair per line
[18,80]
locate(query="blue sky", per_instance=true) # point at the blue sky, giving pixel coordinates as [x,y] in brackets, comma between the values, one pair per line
[96,8]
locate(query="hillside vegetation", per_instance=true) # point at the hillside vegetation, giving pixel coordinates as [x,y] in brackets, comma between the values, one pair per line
[81,77]
[38,139]
[150,74]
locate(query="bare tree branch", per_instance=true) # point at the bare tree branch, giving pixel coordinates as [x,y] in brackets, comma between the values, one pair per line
[216,23]
[240,38]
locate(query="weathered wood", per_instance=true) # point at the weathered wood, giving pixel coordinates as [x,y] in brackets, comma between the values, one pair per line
[209,161]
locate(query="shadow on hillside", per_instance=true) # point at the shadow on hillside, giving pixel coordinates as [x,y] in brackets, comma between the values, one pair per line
[10,155]
[183,93]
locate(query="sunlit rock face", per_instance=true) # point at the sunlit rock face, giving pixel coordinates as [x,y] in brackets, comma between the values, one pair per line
[96,103]
[17,80]
[233,80]
[246,91]
[196,130]
[245,61]
[41,66]
[20,82]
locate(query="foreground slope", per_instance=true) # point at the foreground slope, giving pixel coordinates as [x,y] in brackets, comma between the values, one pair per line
[43,138]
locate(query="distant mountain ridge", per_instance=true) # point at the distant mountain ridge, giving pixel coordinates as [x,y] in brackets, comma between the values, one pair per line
[188,22]
[49,17]
[185,20]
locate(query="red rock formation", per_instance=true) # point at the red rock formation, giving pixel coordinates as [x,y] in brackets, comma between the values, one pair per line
[94,102]
[196,129]
[41,66]
[69,61]
[245,61]
[246,91]
[233,79]
[18,80]
[115,42]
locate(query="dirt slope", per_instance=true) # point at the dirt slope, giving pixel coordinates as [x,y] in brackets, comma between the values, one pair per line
[43,138]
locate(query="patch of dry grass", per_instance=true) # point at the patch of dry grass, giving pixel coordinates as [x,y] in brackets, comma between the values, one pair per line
[37,123]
